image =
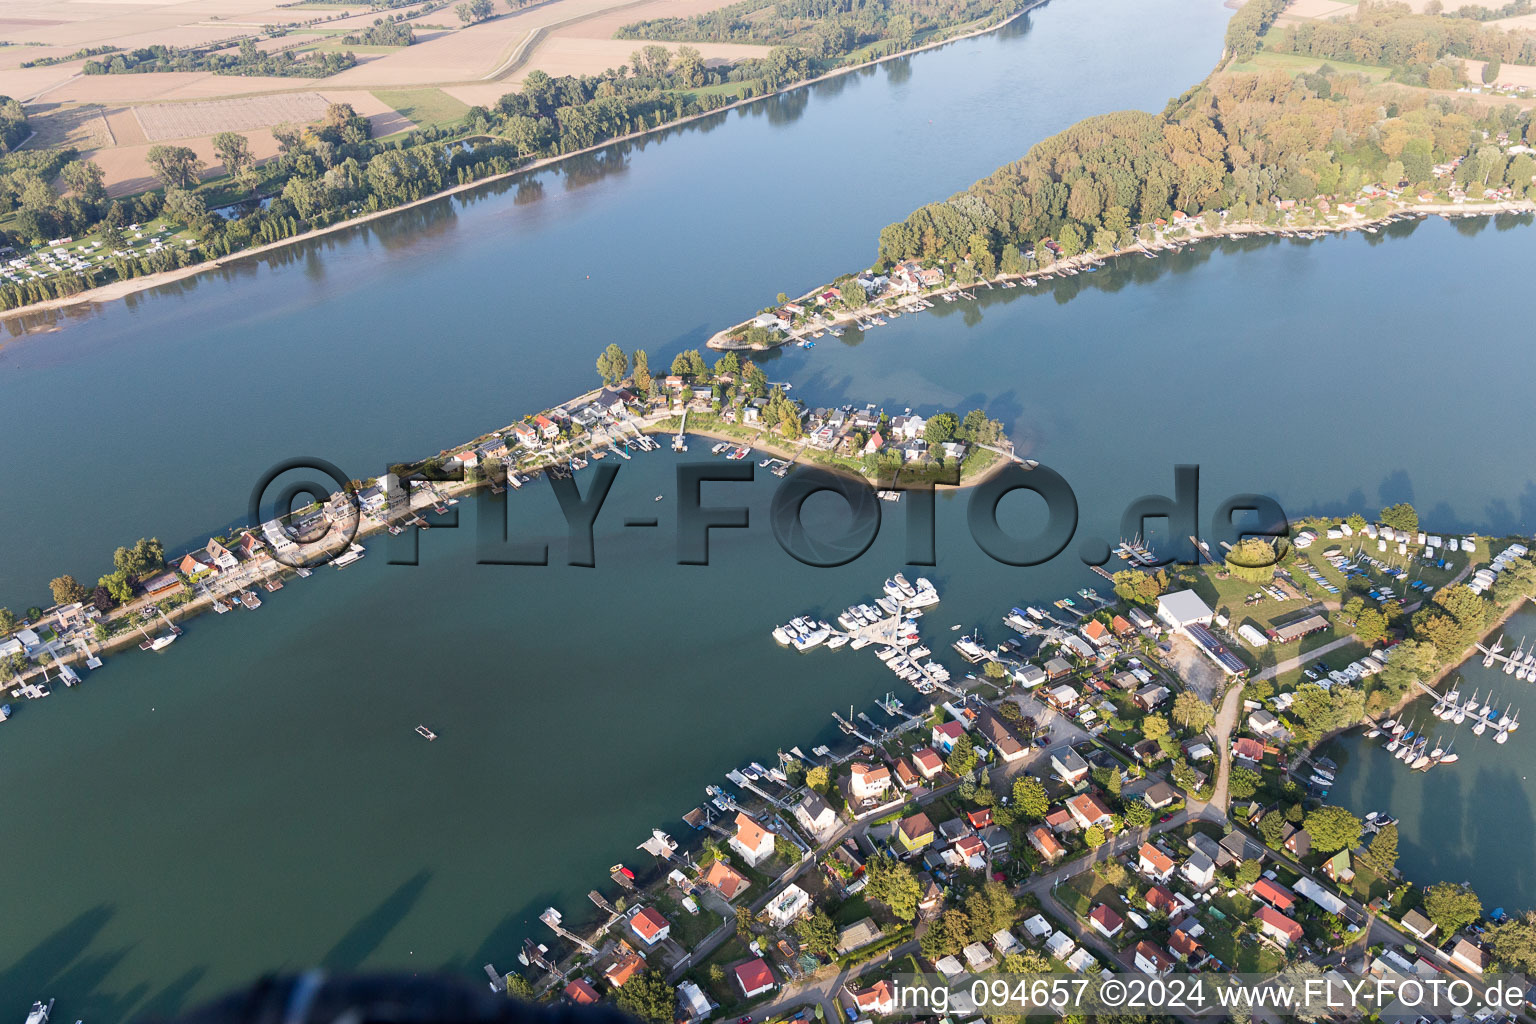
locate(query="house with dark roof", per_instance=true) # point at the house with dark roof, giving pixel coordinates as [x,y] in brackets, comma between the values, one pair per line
[915,832]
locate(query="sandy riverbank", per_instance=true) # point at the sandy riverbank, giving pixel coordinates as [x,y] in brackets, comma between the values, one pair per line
[119,289]
[1195,231]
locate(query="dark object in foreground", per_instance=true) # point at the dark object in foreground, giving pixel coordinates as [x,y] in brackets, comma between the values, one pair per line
[318,998]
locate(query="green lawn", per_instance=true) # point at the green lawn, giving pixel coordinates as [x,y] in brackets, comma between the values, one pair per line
[426,108]
[1264,60]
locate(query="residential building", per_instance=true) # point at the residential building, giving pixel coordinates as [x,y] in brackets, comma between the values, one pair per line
[927,762]
[1161,900]
[222,558]
[1000,734]
[979,819]
[724,879]
[1275,894]
[1045,844]
[1151,959]
[877,1000]
[869,783]
[1469,956]
[1419,926]
[915,832]
[649,926]
[788,906]
[1338,868]
[1069,765]
[580,992]
[1105,921]
[972,853]
[944,736]
[816,816]
[1159,795]
[1087,811]
[693,1001]
[754,978]
[1154,863]
[753,842]
[1277,926]
[626,966]
[1199,870]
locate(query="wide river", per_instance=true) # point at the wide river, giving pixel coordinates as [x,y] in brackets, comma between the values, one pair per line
[255,797]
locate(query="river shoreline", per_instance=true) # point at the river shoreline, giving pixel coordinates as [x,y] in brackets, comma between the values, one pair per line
[121,289]
[722,340]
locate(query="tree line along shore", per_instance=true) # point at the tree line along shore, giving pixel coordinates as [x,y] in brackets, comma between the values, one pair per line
[1243,152]
[63,240]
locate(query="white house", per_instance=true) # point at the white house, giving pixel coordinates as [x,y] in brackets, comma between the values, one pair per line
[752,841]
[787,906]
[816,816]
[869,782]
[1199,869]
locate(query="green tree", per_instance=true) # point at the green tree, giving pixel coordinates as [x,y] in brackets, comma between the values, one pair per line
[1252,559]
[1030,798]
[613,364]
[817,934]
[1192,712]
[234,152]
[1271,827]
[1242,782]
[1491,71]
[1383,849]
[1094,836]
[86,180]
[940,428]
[1452,906]
[947,936]
[117,585]
[67,590]
[1401,516]
[818,778]
[1140,587]
[1333,829]
[1514,942]
[891,882]
[8,622]
[647,995]
[962,757]
[1154,726]
[175,165]
[519,987]
[1248,873]
[1138,814]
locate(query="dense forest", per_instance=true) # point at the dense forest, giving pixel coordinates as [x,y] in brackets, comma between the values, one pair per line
[13,124]
[249,59]
[824,29]
[1392,36]
[1237,142]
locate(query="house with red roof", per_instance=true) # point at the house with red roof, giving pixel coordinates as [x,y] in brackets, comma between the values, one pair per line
[1150,958]
[625,967]
[1160,899]
[1105,921]
[724,879]
[1087,811]
[1096,633]
[752,841]
[1277,926]
[649,926]
[1275,894]
[878,999]
[1184,947]
[869,782]
[927,762]
[972,852]
[580,992]
[1248,749]
[1121,626]
[1061,821]
[980,819]
[944,736]
[1154,863]
[754,978]
[548,429]
[1045,844]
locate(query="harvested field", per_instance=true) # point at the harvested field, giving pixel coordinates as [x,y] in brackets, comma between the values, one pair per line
[58,125]
[1509,74]
[163,121]
[1319,8]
